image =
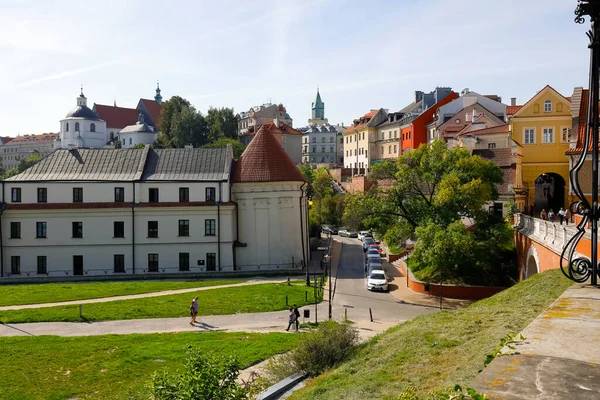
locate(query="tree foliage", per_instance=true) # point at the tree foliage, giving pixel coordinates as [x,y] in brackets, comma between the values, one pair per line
[222,122]
[238,147]
[204,377]
[309,174]
[22,165]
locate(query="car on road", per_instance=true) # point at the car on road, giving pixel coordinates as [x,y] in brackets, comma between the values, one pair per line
[372,260]
[329,229]
[347,233]
[372,264]
[367,242]
[378,280]
[364,234]
[376,247]
[372,251]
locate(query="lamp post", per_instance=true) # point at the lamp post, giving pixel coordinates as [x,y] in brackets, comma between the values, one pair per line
[580,269]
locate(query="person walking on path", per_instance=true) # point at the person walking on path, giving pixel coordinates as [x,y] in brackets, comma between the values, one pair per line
[551,215]
[194,310]
[291,318]
[296,315]
[543,214]
[567,216]
[561,215]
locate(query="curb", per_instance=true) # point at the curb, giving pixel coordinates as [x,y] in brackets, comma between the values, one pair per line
[280,387]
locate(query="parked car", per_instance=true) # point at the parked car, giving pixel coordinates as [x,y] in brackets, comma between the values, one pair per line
[373,258]
[363,234]
[347,233]
[372,251]
[375,246]
[367,242]
[377,280]
[329,229]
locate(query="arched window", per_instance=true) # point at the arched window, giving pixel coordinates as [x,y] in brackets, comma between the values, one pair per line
[67,127]
[92,127]
[547,106]
[76,126]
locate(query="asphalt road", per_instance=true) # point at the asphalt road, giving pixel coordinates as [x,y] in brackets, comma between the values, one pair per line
[351,293]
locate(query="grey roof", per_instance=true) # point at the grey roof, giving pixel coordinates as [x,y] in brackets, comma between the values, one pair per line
[138,127]
[187,164]
[131,165]
[82,112]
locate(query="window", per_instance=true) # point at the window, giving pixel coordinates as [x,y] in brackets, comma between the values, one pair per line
[390,149]
[15,265]
[153,195]
[67,127]
[15,230]
[211,194]
[42,265]
[152,229]
[314,139]
[76,126]
[152,262]
[184,194]
[314,149]
[42,194]
[77,229]
[119,229]
[184,227]
[491,145]
[547,106]
[382,150]
[395,148]
[16,195]
[92,127]
[566,133]
[323,139]
[77,195]
[40,230]
[211,261]
[322,149]
[119,195]
[184,261]
[548,135]
[119,263]
[331,149]
[209,227]
[529,136]
[130,141]
[331,139]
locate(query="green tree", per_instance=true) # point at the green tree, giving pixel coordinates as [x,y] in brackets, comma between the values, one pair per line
[204,377]
[222,122]
[23,164]
[321,188]
[333,209]
[309,174]
[168,111]
[188,127]
[238,148]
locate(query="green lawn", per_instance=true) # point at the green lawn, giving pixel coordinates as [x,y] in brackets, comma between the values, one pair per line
[241,299]
[438,350]
[107,367]
[12,295]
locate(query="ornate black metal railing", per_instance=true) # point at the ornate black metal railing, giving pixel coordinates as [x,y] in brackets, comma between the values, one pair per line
[578,268]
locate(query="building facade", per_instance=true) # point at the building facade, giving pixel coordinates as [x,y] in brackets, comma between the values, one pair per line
[251,120]
[116,212]
[388,144]
[140,133]
[359,141]
[15,149]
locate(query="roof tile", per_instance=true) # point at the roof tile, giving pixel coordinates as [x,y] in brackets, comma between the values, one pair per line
[117,117]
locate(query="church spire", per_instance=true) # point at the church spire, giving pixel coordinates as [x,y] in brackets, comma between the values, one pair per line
[318,107]
[158,97]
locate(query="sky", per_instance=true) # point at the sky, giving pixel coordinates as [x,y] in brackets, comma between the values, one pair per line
[362,55]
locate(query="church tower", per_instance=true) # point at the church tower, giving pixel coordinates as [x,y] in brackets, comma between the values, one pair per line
[158,97]
[318,111]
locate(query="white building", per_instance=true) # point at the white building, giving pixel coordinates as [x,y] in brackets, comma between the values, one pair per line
[14,149]
[140,133]
[115,212]
[251,120]
[82,127]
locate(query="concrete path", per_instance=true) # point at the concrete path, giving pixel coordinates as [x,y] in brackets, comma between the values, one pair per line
[255,281]
[560,357]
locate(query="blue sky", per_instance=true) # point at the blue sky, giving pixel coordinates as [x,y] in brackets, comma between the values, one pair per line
[363,55]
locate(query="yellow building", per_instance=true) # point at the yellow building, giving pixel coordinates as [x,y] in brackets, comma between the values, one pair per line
[542,126]
[359,142]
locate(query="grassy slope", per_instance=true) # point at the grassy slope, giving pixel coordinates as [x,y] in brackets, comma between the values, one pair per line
[12,295]
[437,350]
[106,367]
[241,299]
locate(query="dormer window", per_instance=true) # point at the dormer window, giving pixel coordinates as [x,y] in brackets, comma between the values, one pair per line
[76,126]
[547,106]
[92,127]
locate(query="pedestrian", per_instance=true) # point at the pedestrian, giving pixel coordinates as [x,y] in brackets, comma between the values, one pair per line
[567,216]
[291,318]
[551,215]
[297,315]
[561,215]
[194,310]
[543,214]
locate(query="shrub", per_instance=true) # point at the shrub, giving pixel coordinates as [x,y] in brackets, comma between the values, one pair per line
[324,347]
[205,376]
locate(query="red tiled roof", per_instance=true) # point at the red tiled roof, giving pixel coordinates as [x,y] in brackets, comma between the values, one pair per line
[283,129]
[583,109]
[264,160]
[153,109]
[486,131]
[362,121]
[117,117]
[41,138]
[452,129]
[511,110]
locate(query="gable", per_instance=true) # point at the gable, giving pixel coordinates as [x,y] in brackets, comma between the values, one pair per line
[561,106]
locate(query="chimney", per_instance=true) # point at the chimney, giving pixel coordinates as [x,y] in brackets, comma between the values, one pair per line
[513,101]
[418,96]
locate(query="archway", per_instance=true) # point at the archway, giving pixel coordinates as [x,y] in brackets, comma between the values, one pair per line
[531,268]
[549,192]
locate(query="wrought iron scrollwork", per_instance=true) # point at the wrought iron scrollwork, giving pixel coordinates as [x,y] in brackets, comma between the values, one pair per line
[578,268]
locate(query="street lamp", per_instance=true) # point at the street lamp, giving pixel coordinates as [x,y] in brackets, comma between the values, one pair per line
[580,269]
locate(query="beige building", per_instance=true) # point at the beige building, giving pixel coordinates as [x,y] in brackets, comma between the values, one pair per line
[387,144]
[359,141]
[23,146]
[251,120]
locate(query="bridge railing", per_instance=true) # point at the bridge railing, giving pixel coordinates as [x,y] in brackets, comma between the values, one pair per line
[551,234]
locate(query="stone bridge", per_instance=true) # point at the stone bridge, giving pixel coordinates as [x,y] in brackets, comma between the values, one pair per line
[540,243]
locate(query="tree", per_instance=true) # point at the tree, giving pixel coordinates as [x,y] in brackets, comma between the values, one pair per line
[321,188]
[309,174]
[168,111]
[222,122]
[188,127]
[238,148]
[204,377]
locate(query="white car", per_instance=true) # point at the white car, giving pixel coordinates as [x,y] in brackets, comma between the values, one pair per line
[377,280]
[363,234]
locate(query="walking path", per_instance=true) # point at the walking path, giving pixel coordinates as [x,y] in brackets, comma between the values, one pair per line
[559,358]
[255,281]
